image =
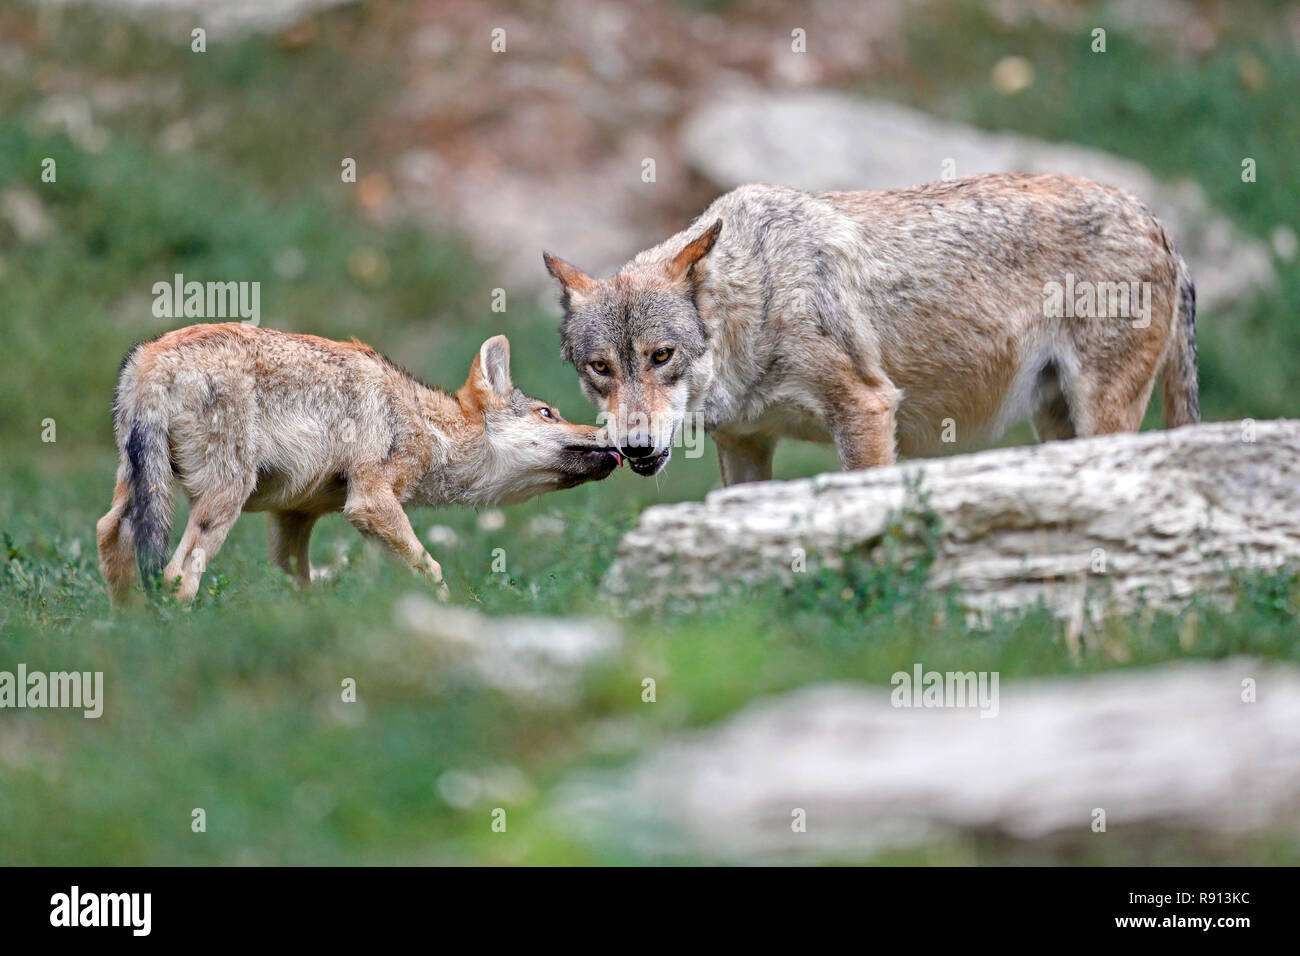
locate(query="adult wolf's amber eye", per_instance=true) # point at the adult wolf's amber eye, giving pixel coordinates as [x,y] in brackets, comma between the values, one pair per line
[659,356]
[599,367]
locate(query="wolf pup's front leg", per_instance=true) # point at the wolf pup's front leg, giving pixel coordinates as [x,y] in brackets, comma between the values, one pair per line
[374,510]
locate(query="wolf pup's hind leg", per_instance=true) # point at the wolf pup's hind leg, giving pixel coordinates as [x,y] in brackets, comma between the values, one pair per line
[117,544]
[290,536]
[212,515]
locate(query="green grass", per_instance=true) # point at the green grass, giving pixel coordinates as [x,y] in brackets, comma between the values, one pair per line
[234,704]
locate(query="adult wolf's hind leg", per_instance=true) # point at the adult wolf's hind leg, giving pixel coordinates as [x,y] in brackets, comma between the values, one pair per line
[1052,421]
[1113,388]
[289,537]
[1111,408]
[117,544]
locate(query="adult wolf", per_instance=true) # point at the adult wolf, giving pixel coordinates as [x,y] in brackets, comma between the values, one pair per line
[887,321]
[252,419]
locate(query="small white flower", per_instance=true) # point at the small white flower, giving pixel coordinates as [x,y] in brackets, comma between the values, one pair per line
[493,519]
[441,536]
[290,263]
[1284,242]
[544,525]
[459,788]
[1012,75]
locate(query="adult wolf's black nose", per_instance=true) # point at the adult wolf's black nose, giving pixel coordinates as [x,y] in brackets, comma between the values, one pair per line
[638,446]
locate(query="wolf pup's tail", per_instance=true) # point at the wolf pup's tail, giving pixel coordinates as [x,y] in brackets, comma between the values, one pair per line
[149,477]
[1178,377]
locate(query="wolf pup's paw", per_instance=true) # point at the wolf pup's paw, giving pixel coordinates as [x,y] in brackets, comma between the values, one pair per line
[431,571]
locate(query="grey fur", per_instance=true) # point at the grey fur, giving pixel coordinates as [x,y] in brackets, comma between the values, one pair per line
[1181,393]
[876,319]
[149,475]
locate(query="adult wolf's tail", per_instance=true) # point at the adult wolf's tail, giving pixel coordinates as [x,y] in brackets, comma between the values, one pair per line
[1178,377]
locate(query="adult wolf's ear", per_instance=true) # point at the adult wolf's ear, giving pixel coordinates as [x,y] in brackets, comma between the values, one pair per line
[572,279]
[489,376]
[693,252]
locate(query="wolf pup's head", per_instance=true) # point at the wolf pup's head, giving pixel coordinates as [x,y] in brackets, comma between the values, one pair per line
[640,347]
[529,448]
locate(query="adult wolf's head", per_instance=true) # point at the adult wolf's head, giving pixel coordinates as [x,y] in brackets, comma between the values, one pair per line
[639,345]
[528,447]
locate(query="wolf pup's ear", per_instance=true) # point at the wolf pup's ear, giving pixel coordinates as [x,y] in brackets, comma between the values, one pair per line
[694,251]
[491,371]
[571,277]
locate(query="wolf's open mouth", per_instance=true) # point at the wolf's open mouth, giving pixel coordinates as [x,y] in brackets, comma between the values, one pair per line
[649,466]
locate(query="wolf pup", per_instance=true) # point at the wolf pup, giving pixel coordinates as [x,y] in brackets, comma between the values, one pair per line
[887,321]
[250,419]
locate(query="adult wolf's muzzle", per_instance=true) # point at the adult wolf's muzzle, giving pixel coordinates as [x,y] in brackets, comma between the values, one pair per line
[651,464]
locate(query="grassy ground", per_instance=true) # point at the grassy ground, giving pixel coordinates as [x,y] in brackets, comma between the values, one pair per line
[234,705]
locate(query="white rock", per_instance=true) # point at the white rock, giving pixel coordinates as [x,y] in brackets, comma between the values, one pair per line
[1168,747]
[1168,513]
[537,657]
[224,18]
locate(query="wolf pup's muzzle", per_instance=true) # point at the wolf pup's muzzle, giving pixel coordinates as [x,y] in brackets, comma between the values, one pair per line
[582,463]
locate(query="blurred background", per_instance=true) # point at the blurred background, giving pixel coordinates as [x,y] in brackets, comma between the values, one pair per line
[483,132]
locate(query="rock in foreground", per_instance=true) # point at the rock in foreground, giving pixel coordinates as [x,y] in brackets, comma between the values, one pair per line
[1180,748]
[1115,521]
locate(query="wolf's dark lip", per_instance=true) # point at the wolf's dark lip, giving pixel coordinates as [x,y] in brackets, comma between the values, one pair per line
[592,464]
[592,452]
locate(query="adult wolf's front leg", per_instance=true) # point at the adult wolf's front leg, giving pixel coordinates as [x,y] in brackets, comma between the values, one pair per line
[860,416]
[744,458]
